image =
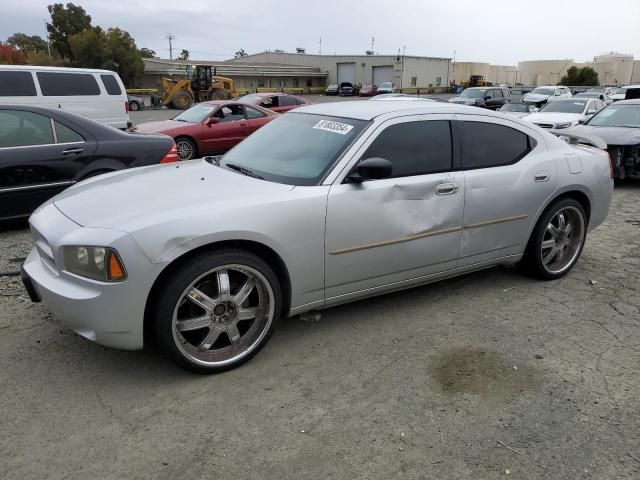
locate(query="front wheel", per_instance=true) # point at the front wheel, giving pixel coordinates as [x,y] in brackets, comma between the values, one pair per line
[217,310]
[557,240]
[187,149]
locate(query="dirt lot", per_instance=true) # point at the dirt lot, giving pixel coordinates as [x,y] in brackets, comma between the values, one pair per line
[480,377]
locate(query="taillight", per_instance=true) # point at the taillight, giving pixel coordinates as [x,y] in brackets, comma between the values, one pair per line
[126,107]
[171,156]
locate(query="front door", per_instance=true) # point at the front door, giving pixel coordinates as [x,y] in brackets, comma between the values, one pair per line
[380,232]
[508,175]
[231,129]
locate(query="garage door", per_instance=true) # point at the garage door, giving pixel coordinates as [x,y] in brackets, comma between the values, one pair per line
[383,73]
[347,72]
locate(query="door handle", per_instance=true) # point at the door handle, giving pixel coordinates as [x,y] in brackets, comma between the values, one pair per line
[72,151]
[447,189]
[541,177]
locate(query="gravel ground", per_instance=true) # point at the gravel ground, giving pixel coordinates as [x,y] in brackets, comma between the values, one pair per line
[483,376]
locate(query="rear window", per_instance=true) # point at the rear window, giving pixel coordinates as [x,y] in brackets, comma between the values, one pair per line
[17,84]
[55,84]
[111,84]
[491,145]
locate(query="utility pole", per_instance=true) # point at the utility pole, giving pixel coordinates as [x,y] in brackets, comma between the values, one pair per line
[48,42]
[170,37]
[320,48]
[372,42]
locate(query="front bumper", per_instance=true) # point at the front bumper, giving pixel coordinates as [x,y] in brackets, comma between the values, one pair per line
[111,314]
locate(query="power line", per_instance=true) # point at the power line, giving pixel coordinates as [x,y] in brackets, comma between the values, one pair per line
[170,37]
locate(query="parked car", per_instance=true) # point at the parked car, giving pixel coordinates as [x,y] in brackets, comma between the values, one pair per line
[332,90]
[368,91]
[324,205]
[619,126]
[278,102]
[135,103]
[621,92]
[386,87]
[45,150]
[406,96]
[598,95]
[485,97]
[210,127]
[346,89]
[95,94]
[565,112]
[518,109]
[541,95]
[604,90]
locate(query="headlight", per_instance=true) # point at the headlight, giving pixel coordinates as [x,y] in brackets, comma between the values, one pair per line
[97,263]
[563,125]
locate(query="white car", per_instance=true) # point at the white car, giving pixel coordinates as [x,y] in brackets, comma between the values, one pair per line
[386,87]
[621,92]
[518,109]
[541,95]
[565,112]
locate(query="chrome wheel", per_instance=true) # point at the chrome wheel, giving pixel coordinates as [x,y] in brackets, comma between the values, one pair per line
[223,315]
[185,149]
[562,240]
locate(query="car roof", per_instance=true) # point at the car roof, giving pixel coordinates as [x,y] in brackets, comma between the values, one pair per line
[222,103]
[633,101]
[55,69]
[269,94]
[369,110]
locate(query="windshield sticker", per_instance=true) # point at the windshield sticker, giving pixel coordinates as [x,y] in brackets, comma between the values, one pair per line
[334,127]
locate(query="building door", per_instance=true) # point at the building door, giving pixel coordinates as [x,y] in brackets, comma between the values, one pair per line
[383,73]
[347,73]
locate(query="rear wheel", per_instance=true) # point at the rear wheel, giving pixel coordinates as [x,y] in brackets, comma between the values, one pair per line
[217,310]
[557,240]
[181,100]
[187,149]
[134,106]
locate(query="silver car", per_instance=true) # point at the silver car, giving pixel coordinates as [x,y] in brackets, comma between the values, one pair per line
[327,204]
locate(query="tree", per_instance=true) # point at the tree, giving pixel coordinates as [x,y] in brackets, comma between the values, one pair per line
[584,76]
[11,56]
[184,55]
[27,44]
[147,53]
[87,48]
[122,55]
[241,53]
[65,22]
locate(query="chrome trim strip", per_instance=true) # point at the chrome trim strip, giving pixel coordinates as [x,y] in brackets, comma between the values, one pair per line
[43,145]
[429,233]
[53,129]
[40,185]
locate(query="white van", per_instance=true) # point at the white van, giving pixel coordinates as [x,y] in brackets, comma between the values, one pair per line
[96,94]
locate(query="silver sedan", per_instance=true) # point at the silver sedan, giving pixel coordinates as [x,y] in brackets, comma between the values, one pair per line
[325,205]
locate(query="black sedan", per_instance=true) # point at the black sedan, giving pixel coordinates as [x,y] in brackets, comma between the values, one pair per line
[43,151]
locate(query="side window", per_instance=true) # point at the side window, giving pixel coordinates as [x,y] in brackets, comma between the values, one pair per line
[253,113]
[230,113]
[65,135]
[111,84]
[490,145]
[55,84]
[22,129]
[288,101]
[497,93]
[300,101]
[414,148]
[17,84]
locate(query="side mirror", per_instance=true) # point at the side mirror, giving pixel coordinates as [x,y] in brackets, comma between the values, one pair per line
[487,97]
[211,121]
[371,169]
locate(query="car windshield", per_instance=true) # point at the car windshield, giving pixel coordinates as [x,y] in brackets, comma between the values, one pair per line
[560,106]
[596,90]
[296,148]
[251,99]
[196,114]
[473,93]
[617,116]
[515,107]
[386,85]
[542,91]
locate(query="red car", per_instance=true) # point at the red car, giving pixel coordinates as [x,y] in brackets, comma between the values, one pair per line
[210,127]
[278,102]
[368,91]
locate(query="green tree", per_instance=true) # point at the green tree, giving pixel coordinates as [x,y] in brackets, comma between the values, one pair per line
[147,53]
[87,48]
[122,55]
[66,21]
[184,55]
[27,43]
[584,76]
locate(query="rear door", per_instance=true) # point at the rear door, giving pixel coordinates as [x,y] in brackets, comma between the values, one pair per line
[508,175]
[39,157]
[255,118]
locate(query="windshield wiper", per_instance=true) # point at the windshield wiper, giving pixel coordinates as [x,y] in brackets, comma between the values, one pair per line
[244,170]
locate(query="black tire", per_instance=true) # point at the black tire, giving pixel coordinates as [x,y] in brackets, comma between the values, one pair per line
[534,259]
[187,148]
[134,106]
[171,298]
[181,101]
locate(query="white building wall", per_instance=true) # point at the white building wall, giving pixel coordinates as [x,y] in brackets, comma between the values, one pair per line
[462,71]
[635,77]
[614,68]
[503,74]
[543,72]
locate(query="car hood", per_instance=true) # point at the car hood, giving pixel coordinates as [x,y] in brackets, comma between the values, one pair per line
[556,117]
[160,127]
[611,135]
[124,199]
[517,114]
[535,97]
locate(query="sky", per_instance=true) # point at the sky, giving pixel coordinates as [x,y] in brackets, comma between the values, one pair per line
[495,31]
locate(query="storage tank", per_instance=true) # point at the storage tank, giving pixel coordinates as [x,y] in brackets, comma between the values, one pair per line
[614,68]
[542,72]
[635,77]
[503,74]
